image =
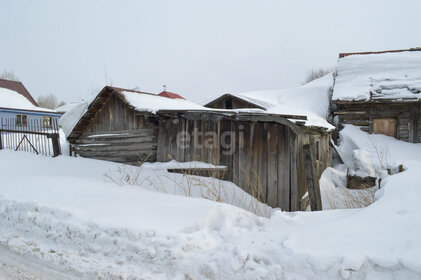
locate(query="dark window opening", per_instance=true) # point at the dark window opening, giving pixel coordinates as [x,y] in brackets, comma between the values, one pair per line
[228,103]
[21,120]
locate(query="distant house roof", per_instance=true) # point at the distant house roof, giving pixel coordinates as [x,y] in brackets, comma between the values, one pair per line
[19,88]
[78,117]
[170,95]
[140,101]
[310,101]
[10,99]
[374,76]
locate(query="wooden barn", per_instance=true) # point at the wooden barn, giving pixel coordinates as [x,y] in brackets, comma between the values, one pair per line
[263,152]
[380,92]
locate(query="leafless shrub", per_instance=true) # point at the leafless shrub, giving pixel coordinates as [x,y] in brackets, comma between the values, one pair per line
[193,185]
[314,74]
[350,198]
[383,154]
[49,101]
[9,75]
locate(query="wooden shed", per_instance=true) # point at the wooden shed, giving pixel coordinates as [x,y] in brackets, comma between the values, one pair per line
[380,92]
[263,152]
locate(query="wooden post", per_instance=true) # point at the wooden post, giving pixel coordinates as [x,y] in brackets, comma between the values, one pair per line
[312,180]
[1,133]
[55,139]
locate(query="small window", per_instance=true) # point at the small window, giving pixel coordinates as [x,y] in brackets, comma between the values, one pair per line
[47,122]
[21,120]
[317,150]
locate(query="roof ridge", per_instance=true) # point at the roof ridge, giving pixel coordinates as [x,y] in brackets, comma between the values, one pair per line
[18,87]
[342,55]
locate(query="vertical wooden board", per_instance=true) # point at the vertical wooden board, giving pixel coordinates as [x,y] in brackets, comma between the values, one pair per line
[244,156]
[254,156]
[190,149]
[294,172]
[235,152]
[205,150]
[264,161]
[212,150]
[174,147]
[261,162]
[195,142]
[283,168]
[218,145]
[180,150]
[161,149]
[312,178]
[167,140]
[302,139]
[272,165]
[225,159]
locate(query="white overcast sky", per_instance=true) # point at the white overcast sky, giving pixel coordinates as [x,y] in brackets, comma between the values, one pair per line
[197,48]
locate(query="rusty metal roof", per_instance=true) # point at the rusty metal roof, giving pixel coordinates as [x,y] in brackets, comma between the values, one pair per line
[170,95]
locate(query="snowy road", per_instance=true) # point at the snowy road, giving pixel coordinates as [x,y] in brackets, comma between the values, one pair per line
[17,267]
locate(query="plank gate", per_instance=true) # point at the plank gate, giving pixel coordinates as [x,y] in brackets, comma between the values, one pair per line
[34,136]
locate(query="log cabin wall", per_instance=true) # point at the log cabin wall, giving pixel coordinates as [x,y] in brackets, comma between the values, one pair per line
[407,116]
[263,153]
[263,158]
[119,133]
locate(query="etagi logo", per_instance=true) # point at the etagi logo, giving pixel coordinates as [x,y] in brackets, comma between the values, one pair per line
[228,141]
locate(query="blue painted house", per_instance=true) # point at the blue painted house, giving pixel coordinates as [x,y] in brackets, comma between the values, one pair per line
[19,110]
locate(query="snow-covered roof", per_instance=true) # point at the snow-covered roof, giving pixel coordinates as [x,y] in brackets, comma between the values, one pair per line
[141,101]
[71,117]
[379,76]
[310,100]
[153,103]
[66,107]
[13,100]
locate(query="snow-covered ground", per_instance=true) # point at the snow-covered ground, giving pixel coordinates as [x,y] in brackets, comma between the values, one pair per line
[68,215]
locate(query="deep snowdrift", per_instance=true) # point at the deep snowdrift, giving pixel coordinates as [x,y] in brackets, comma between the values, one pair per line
[64,212]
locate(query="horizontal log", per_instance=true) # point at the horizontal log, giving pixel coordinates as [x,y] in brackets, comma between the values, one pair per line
[129,148]
[125,157]
[117,141]
[350,113]
[125,160]
[123,135]
[356,122]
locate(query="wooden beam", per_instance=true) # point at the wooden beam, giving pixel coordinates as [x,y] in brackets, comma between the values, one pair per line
[311,178]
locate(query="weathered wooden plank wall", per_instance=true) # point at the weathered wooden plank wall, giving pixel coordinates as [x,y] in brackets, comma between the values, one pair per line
[407,115]
[118,133]
[263,158]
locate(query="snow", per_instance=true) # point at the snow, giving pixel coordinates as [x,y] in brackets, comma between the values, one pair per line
[66,213]
[379,76]
[310,100]
[154,103]
[106,135]
[14,100]
[66,107]
[69,119]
